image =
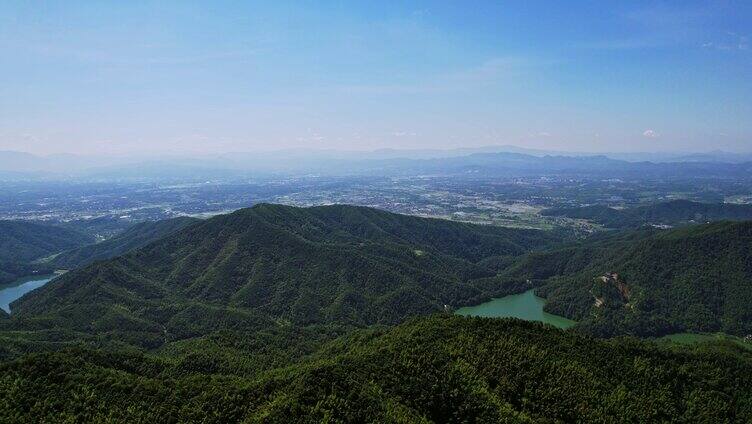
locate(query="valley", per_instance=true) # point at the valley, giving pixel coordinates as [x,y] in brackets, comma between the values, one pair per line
[105,209]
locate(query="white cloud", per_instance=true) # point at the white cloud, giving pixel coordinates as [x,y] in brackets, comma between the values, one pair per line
[650,134]
[733,42]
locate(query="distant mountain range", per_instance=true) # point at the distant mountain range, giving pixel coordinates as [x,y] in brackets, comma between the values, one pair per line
[517,164]
[492,160]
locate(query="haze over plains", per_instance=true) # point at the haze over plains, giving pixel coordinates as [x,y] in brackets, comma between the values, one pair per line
[194,78]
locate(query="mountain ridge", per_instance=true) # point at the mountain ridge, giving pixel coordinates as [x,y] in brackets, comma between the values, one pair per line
[338,263]
[494,160]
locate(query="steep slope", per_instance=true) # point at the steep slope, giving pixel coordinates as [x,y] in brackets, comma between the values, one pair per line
[134,237]
[441,369]
[650,282]
[22,242]
[667,213]
[335,264]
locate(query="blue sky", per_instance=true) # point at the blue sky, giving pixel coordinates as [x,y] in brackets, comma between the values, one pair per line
[185,77]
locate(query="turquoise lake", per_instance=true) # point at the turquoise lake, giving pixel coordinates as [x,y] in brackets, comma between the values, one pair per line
[525,306]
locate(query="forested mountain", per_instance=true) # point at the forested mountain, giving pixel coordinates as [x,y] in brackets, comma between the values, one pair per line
[432,370]
[667,213]
[360,266]
[22,242]
[336,264]
[650,282]
[280,314]
[134,237]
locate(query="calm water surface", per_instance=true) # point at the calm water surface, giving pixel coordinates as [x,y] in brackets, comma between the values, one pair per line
[12,291]
[525,306]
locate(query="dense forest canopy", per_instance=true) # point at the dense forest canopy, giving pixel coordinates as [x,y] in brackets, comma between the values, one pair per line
[360,266]
[650,282]
[437,369]
[340,264]
[280,314]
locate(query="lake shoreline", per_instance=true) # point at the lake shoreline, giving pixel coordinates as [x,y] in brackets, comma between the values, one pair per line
[16,289]
[525,305]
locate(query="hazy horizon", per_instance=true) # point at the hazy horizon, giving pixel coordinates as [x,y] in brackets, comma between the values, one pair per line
[152,78]
[324,151]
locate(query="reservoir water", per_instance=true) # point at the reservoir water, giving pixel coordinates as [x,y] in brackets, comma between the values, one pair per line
[12,291]
[525,306]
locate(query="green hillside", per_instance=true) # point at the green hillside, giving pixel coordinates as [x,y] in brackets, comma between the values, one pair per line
[23,242]
[695,278]
[441,369]
[134,237]
[336,264]
[282,314]
[667,213]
